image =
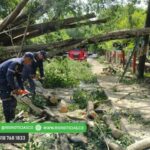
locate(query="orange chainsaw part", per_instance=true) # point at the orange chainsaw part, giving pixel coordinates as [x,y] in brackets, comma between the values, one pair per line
[22,92]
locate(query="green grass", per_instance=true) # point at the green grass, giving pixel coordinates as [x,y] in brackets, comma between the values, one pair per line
[147,75]
[129,81]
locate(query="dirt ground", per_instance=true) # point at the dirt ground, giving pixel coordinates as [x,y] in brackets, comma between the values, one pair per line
[132,102]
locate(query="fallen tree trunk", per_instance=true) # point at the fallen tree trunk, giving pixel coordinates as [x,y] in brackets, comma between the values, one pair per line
[40,29]
[54,49]
[140,145]
[51,28]
[112,145]
[124,34]
[13,15]
[90,110]
[116,133]
[62,46]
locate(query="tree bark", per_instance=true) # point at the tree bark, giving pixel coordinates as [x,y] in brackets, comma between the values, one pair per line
[142,57]
[116,133]
[140,145]
[52,28]
[13,15]
[53,49]
[62,46]
[39,29]
[113,146]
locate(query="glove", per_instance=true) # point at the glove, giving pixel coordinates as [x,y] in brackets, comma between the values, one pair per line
[15,91]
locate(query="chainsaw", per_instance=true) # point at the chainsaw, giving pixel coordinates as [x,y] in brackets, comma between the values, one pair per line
[25,97]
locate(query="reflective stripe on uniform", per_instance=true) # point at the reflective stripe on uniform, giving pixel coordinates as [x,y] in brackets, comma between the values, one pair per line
[11,70]
[6,99]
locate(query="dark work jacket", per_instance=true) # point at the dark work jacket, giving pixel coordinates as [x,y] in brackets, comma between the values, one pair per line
[11,70]
[38,64]
[29,72]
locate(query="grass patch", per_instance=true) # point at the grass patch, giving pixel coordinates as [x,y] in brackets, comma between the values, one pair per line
[128,81]
[147,75]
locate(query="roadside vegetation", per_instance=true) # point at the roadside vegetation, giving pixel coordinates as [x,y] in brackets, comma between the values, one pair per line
[67,73]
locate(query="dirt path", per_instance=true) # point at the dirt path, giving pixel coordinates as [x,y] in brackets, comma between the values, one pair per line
[132,100]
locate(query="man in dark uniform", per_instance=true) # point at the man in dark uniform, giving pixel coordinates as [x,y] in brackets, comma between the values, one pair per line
[11,82]
[39,58]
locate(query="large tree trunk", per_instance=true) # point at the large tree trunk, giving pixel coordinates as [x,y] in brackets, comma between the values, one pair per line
[142,57]
[105,37]
[140,145]
[13,15]
[51,28]
[39,29]
[53,48]
[62,46]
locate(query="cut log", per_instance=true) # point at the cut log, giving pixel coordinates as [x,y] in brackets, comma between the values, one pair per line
[140,145]
[77,115]
[116,133]
[90,106]
[90,110]
[13,15]
[40,120]
[78,139]
[64,142]
[112,145]
[18,116]
[26,100]
[49,112]
[63,108]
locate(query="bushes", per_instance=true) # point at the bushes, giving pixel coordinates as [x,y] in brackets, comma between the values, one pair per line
[81,97]
[67,73]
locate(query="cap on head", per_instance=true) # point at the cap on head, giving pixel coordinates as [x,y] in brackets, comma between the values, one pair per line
[29,55]
[43,53]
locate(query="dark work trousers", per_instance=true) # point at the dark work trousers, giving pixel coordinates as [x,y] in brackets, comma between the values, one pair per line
[9,103]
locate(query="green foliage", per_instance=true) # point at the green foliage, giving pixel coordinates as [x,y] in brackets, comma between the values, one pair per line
[73,107]
[6,6]
[98,95]
[1,113]
[125,140]
[21,106]
[45,142]
[129,81]
[66,73]
[39,101]
[116,119]
[99,132]
[81,97]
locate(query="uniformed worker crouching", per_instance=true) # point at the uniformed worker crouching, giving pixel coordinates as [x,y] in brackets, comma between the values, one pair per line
[29,71]
[11,82]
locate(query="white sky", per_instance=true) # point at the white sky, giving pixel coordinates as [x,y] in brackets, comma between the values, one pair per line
[142,4]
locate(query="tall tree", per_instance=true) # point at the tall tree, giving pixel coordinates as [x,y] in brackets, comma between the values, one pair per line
[142,57]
